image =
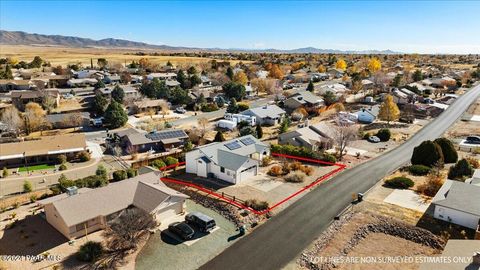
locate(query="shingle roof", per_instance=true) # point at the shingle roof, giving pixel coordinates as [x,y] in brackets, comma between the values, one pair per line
[459,196]
[145,191]
[306,97]
[232,158]
[271,111]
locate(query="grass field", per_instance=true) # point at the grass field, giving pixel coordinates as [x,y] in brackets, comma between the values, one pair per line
[36,167]
[64,55]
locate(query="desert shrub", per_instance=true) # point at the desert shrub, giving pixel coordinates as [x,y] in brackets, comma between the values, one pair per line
[92,181]
[60,159]
[399,182]
[419,169]
[119,175]
[275,170]
[328,158]
[131,173]
[266,161]
[209,107]
[307,170]
[158,163]
[62,167]
[295,177]
[295,165]
[27,186]
[90,251]
[171,161]
[384,134]
[432,185]
[460,170]
[83,156]
[242,106]
[33,198]
[474,162]
[427,153]
[5,172]
[256,205]
[450,155]
[366,135]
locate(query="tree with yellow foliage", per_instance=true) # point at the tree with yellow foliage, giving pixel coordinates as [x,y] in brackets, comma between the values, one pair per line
[389,110]
[34,117]
[298,65]
[321,69]
[241,78]
[276,72]
[341,64]
[374,65]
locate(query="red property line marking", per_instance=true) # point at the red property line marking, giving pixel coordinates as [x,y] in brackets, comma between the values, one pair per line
[340,168]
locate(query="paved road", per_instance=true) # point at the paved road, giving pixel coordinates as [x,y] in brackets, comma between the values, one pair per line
[280,240]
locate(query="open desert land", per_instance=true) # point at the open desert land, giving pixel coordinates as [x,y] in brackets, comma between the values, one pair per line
[64,55]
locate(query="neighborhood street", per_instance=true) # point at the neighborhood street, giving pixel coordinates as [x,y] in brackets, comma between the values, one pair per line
[280,240]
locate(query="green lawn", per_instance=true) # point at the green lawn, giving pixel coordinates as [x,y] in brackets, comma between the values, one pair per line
[36,167]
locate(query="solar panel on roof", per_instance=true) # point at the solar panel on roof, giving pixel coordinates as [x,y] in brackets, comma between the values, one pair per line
[233,145]
[247,141]
[165,135]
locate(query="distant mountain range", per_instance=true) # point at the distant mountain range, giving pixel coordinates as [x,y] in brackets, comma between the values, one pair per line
[23,38]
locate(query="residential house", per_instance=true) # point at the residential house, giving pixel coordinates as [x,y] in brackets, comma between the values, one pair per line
[314,137]
[157,141]
[367,84]
[399,97]
[90,74]
[9,85]
[266,115]
[82,82]
[22,98]
[129,91]
[368,115]
[458,203]
[83,211]
[172,83]
[233,161]
[162,76]
[336,88]
[69,120]
[146,105]
[108,79]
[335,73]
[43,150]
[304,99]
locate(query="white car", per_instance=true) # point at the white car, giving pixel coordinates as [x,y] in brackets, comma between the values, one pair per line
[180,110]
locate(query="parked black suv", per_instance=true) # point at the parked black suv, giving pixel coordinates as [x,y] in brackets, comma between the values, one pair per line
[181,229]
[203,222]
[473,140]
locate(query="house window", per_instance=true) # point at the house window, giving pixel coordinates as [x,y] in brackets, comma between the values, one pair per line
[80,226]
[222,169]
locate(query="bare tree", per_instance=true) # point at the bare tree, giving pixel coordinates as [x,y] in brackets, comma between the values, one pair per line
[163,108]
[343,135]
[203,122]
[11,118]
[126,231]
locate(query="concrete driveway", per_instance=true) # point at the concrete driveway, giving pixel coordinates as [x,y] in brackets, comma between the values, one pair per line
[167,252]
[408,199]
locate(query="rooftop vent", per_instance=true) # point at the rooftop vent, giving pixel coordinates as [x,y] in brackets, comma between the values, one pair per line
[72,191]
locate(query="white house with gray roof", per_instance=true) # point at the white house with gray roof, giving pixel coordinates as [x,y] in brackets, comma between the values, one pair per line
[85,210]
[267,115]
[459,203]
[233,161]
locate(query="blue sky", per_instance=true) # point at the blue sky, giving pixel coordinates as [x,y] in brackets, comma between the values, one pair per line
[423,27]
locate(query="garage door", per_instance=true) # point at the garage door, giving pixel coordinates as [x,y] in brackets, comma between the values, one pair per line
[247,173]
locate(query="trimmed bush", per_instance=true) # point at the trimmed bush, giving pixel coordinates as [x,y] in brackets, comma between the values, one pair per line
[450,155]
[275,170]
[83,156]
[419,169]
[328,158]
[460,170]
[266,161]
[295,177]
[60,159]
[171,161]
[131,173]
[90,251]
[384,134]
[62,167]
[256,205]
[27,186]
[158,163]
[427,153]
[400,182]
[119,175]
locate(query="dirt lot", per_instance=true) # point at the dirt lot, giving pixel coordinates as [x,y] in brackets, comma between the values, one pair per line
[363,234]
[63,56]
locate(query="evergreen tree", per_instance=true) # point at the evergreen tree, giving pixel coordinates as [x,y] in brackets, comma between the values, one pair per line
[118,94]
[427,153]
[219,137]
[461,170]
[310,86]
[99,104]
[115,115]
[232,107]
[229,73]
[259,131]
[450,155]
